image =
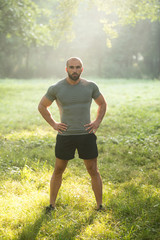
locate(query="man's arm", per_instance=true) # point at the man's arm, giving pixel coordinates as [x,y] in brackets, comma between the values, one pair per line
[102,106]
[43,109]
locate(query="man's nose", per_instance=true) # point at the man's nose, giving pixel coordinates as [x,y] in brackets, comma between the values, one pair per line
[75,69]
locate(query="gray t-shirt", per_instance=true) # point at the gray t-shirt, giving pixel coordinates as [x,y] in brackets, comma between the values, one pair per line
[74,103]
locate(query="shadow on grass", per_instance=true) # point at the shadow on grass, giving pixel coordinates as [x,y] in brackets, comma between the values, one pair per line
[68,232]
[74,229]
[31,230]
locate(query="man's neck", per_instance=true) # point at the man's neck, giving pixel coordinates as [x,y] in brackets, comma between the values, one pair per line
[72,82]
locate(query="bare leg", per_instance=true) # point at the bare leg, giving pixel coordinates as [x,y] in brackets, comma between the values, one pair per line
[96,180]
[56,179]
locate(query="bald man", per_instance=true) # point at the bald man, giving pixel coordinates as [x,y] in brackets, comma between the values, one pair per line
[73,96]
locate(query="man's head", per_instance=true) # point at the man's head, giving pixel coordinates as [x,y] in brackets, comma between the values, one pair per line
[74,68]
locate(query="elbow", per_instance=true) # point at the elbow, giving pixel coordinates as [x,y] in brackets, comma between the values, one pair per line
[39,108]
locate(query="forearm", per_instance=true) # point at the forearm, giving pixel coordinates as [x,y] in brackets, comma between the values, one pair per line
[93,126]
[101,112]
[46,115]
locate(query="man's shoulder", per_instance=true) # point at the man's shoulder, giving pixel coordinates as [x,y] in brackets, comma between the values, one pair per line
[58,84]
[87,82]
[92,86]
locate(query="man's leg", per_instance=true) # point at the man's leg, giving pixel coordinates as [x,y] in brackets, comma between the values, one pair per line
[56,180]
[92,169]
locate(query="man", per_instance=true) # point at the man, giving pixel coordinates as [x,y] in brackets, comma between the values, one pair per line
[73,96]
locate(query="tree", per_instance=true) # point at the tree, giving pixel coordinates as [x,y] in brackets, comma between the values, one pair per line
[124,12]
[22,24]
[19,19]
[28,25]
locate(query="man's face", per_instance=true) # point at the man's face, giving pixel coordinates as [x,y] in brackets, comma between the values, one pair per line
[74,69]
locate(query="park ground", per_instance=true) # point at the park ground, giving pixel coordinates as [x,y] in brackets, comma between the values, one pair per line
[129,163]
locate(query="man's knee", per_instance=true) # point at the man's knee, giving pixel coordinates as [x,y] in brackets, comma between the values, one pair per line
[58,171]
[92,169]
[60,166]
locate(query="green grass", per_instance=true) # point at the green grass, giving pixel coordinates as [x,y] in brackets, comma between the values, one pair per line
[129,162]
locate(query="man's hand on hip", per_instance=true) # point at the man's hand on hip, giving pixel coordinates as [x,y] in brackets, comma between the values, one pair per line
[92,127]
[60,127]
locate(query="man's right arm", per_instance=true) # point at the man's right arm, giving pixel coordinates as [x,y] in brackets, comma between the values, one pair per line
[43,109]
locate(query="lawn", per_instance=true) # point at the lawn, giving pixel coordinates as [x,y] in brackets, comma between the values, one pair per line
[129,163]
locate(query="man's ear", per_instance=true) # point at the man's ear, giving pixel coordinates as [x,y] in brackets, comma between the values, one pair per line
[66,69]
[82,69]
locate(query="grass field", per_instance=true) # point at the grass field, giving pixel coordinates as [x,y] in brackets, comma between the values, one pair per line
[129,163]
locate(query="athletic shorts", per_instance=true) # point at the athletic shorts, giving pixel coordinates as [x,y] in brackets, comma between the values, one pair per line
[85,144]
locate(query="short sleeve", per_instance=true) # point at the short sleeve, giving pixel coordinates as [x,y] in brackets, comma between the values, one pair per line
[96,93]
[51,93]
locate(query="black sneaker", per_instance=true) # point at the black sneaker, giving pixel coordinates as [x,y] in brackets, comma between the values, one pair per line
[49,208]
[101,208]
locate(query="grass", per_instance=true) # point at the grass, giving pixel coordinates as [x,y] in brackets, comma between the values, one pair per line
[129,162]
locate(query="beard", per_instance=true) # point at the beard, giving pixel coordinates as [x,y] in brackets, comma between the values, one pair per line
[74,76]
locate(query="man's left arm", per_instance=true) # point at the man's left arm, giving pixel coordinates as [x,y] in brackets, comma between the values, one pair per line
[102,107]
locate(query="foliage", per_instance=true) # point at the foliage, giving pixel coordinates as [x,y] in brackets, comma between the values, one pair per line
[19,19]
[36,34]
[133,11]
[135,53]
[66,10]
[126,12]
[128,142]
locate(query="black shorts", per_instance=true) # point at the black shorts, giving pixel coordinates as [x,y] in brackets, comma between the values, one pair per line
[85,144]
